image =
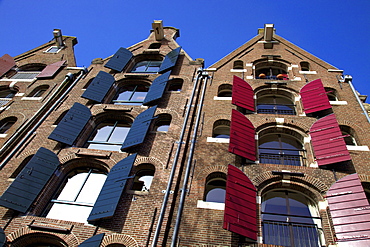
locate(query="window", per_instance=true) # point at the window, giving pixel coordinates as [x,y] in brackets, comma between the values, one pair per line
[224,90]
[29,71]
[275,104]
[331,93]
[131,94]
[144,177]
[348,135]
[221,129]
[109,135]
[6,124]
[274,70]
[155,46]
[77,195]
[305,66]
[148,66]
[163,122]
[53,49]
[238,64]
[290,219]
[215,189]
[175,85]
[39,91]
[7,93]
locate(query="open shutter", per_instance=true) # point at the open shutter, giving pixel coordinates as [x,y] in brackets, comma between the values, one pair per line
[240,215]
[327,141]
[139,128]
[31,180]
[71,125]
[349,209]
[314,97]
[170,60]
[242,136]
[94,241]
[110,194]
[99,87]
[51,69]
[242,94]
[2,237]
[119,59]
[157,88]
[6,63]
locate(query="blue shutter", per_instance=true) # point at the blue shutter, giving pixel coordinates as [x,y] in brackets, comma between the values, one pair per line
[119,59]
[30,181]
[170,60]
[110,194]
[99,87]
[139,128]
[157,88]
[71,125]
[2,237]
[94,241]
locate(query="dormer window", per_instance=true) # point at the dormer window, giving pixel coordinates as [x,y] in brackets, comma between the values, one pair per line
[147,66]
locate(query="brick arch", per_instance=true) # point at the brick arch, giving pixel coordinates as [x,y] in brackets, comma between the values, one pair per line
[289,122]
[364,177]
[167,111]
[156,162]
[208,126]
[67,156]
[116,238]
[202,174]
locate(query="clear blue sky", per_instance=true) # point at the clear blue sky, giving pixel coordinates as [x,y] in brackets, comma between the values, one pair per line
[335,31]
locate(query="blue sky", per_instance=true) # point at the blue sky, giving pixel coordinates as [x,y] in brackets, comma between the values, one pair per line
[335,31]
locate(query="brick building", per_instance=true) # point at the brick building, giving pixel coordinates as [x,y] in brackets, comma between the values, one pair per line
[266,147]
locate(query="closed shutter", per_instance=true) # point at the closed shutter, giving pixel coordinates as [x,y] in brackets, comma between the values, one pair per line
[99,87]
[119,59]
[71,125]
[6,63]
[240,215]
[242,136]
[30,181]
[327,141]
[94,241]
[50,70]
[349,209]
[2,237]
[243,94]
[110,194]
[157,88]
[314,97]
[170,60]
[139,128]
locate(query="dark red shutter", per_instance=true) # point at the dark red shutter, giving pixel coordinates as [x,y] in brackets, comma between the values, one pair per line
[327,141]
[6,63]
[51,69]
[240,215]
[350,211]
[314,97]
[242,136]
[243,94]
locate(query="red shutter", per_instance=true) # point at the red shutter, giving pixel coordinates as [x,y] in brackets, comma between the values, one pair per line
[327,141]
[240,214]
[350,211]
[51,69]
[6,63]
[314,97]
[242,94]
[242,136]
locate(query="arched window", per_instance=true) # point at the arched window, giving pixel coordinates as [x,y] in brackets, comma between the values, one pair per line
[224,90]
[6,124]
[76,197]
[28,71]
[221,129]
[144,177]
[331,93]
[274,70]
[349,135]
[147,66]
[290,218]
[238,64]
[39,240]
[215,189]
[131,94]
[7,93]
[39,91]
[163,122]
[275,104]
[175,85]
[305,66]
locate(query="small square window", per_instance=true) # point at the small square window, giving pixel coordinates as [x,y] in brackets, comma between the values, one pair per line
[53,49]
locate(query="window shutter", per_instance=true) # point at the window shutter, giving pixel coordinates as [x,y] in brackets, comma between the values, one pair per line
[71,125]
[243,94]
[240,215]
[242,136]
[349,209]
[157,88]
[327,142]
[51,69]
[2,237]
[170,60]
[314,97]
[6,63]
[110,194]
[99,87]
[31,180]
[94,241]
[119,59]
[139,128]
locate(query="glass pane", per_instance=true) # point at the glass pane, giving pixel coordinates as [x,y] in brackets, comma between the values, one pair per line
[276,204]
[102,134]
[147,180]
[72,187]
[119,134]
[163,128]
[216,195]
[92,188]
[139,96]
[140,67]
[69,212]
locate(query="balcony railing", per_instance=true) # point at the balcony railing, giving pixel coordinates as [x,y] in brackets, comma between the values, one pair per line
[281,156]
[25,75]
[276,109]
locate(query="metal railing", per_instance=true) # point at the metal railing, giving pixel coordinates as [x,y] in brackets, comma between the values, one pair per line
[281,158]
[276,109]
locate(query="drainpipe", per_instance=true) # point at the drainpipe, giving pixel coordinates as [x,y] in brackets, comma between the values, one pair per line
[174,164]
[183,191]
[68,77]
[348,78]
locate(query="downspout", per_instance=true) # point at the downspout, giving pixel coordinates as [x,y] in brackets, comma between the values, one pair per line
[183,191]
[68,77]
[357,98]
[174,164]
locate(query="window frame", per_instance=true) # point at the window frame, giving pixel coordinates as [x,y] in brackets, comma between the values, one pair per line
[147,65]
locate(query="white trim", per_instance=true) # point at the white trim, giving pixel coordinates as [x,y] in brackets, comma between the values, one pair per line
[238,70]
[294,66]
[336,70]
[222,98]
[279,120]
[297,79]
[17,80]
[211,205]
[323,205]
[249,77]
[31,98]
[249,65]
[218,140]
[3,135]
[19,94]
[357,148]
[338,102]
[308,72]
[210,69]
[307,139]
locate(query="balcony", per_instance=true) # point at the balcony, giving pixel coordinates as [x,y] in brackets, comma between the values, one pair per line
[284,109]
[291,157]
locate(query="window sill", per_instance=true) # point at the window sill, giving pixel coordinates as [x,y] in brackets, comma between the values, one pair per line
[3,135]
[338,102]
[308,72]
[222,98]
[238,70]
[357,148]
[218,140]
[139,193]
[31,98]
[211,205]
[19,80]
